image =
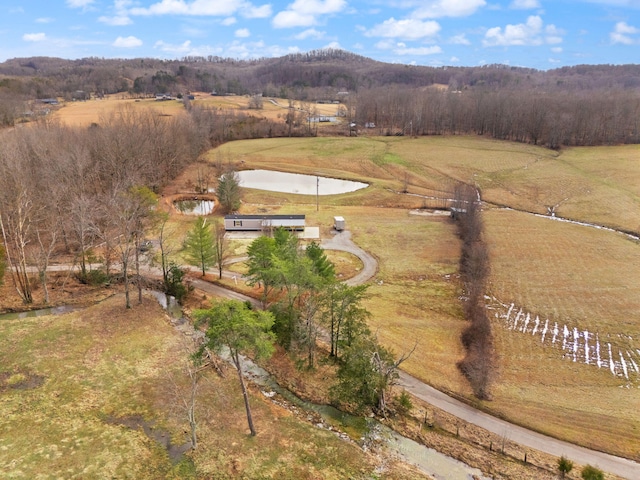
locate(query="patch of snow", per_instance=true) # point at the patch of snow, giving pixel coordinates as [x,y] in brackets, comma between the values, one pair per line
[612,366]
[586,347]
[624,366]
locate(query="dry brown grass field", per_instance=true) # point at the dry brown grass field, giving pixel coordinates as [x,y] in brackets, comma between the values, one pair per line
[84,113]
[579,276]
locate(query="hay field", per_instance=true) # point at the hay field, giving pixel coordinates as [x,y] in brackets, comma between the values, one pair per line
[85,113]
[583,278]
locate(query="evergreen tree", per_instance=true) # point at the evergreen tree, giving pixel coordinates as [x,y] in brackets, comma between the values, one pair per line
[228,192]
[244,331]
[199,248]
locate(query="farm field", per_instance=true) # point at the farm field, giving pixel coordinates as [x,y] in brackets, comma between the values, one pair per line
[84,113]
[578,276]
[578,382]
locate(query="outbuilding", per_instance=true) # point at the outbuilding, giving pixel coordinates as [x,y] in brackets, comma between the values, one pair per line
[256,223]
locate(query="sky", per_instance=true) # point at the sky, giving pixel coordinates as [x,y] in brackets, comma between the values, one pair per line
[541,34]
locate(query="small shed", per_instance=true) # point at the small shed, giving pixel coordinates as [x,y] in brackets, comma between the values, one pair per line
[256,223]
[338,223]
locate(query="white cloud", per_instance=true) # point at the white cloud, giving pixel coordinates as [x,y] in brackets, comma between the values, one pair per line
[557,49]
[401,49]
[410,29]
[183,48]
[623,33]
[127,42]
[530,33]
[242,33]
[202,8]
[459,40]
[304,13]
[524,4]
[34,37]
[310,33]
[249,11]
[447,8]
[332,46]
[454,59]
[228,21]
[121,14]
[79,3]
[117,21]
[44,20]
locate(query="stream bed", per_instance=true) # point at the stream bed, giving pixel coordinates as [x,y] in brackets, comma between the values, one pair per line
[363,431]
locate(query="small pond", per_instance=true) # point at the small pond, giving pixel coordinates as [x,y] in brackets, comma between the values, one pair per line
[194,206]
[296,183]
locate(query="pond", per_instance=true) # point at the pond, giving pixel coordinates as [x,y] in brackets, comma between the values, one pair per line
[194,206]
[296,183]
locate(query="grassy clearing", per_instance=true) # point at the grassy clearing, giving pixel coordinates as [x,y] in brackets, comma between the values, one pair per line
[83,114]
[105,366]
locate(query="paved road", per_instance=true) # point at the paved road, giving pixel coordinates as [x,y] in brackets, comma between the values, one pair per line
[342,241]
[527,438]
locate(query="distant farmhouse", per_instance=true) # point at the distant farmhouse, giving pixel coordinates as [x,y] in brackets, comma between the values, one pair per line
[257,223]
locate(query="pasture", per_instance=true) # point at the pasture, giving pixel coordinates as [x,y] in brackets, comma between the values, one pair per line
[579,383]
[98,393]
[84,113]
[580,277]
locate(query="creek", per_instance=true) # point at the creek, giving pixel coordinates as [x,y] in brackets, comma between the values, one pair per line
[364,431]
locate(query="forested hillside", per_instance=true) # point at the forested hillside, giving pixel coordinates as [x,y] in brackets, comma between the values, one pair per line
[580,105]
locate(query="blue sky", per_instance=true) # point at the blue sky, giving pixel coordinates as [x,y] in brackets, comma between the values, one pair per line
[532,33]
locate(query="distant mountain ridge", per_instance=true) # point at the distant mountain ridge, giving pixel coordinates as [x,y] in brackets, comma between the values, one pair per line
[321,70]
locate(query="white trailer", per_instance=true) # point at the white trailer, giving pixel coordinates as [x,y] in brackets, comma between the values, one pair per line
[338,223]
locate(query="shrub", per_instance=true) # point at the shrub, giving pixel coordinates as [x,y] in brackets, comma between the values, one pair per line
[592,473]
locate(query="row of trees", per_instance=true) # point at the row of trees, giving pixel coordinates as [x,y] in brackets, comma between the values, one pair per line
[552,119]
[479,363]
[308,303]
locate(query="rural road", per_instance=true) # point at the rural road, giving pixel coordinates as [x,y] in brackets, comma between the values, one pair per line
[527,438]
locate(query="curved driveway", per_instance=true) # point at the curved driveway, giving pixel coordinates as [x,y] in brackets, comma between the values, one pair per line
[527,438]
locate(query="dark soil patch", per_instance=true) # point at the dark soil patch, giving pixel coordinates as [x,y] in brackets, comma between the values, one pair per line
[20,381]
[137,422]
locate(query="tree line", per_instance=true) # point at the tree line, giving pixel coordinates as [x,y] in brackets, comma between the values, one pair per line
[552,119]
[68,190]
[580,105]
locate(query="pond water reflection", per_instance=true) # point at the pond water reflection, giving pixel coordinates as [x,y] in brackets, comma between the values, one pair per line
[296,183]
[194,207]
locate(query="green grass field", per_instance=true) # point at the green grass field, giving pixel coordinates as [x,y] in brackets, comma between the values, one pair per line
[579,276]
